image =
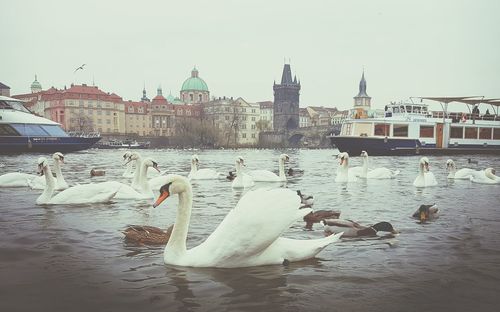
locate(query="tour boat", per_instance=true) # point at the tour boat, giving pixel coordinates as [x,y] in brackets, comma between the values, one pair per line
[409,128]
[113,144]
[22,131]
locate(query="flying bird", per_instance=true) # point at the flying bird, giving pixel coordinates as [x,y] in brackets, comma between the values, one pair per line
[81,67]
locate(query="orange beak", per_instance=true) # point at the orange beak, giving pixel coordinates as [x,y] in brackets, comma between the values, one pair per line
[160,199]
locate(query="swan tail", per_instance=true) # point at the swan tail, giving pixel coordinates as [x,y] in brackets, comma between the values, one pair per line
[298,250]
[395,173]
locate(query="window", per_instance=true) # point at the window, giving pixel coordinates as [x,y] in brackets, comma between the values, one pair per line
[30,130]
[6,130]
[108,113]
[244,110]
[496,133]
[253,127]
[243,126]
[99,121]
[226,109]
[54,130]
[456,133]
[244,135]
[200,98]
[108,121]
[400,130]
[253,135]
[485,133]
[470,133]
[253,110]
[426,131]
[381,129]
[226,117]
[253,118]
[191,97]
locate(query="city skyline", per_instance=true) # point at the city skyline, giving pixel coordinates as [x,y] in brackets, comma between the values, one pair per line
[406,49]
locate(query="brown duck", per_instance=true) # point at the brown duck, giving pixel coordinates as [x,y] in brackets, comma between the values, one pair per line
[317,216]
[147,235]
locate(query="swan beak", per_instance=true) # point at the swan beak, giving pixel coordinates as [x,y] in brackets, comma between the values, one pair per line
[129,160]
[40,170]
[426,167]
[160,199]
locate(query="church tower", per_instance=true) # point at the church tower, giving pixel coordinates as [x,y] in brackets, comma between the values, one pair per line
[362,100]
[286,102]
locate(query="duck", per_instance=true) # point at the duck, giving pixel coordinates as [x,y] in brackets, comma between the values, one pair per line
[294,172]
[488,176]
[426,212]
[201,174]
[306,200]
[463,174]
[377,173]
[268,176]
[242,179]
[425,178]
[79,194]
[354,229]
[147,235]
[343,174]
[318,216]
[38,183]
[97,173]
[129,171]
[248,236]
[231,176]
[470,161]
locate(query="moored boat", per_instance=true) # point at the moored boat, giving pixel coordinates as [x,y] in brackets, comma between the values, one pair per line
[21,131]
[410,128]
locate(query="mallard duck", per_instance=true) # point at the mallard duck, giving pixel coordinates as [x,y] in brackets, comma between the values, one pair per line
[147,235]
[317,216]
[306,200]
[231,176]
[97,172]
[471,161]
[294,172]
[354,229]
[426,212]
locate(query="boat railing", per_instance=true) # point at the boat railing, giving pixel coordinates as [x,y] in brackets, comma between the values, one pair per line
[457,117]
[82,134]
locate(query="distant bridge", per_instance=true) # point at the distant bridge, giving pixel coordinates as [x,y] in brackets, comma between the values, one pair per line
[314,134]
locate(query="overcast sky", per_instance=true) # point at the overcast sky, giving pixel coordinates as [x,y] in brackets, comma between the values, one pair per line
[408,48]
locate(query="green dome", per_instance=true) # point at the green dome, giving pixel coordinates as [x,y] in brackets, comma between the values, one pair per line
[170,98]
[36,84]
[194,83]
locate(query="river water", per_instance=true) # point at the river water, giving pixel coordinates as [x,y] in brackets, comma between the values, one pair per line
[74,258]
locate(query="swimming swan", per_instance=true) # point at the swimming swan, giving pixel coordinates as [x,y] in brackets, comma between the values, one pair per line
[79,194]
[268,176]
[38,183]
[377,173]
[201,174]
[248,236]
[424,178]
[486,177]
[463,174]
[343,174]
[242,179]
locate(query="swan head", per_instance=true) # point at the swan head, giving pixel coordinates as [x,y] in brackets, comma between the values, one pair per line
[364,154]
[132,156]
[384,227]
[174,184]
[42,163]
[195,160]
[149,162]
[343,159]
[240,161]
[126,155]
[59,157]
[284,157]
[450,164]
[424,164]
[490,173]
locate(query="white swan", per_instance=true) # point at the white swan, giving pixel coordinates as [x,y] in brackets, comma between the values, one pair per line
[38,183]
[80,194]
[16,179]
[464,173]
[268,176]
[343,174]
[377,173]
[143,188]
[248,236]
[129,171]
[485,177]
[425,178]
[201,174]
[242,179]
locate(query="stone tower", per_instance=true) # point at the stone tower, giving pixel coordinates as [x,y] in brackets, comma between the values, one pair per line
[362,100]
[286,102]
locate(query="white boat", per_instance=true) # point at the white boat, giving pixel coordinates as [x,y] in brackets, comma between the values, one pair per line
[408,128]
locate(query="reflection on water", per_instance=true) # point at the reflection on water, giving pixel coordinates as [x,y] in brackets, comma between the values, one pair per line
[74,258]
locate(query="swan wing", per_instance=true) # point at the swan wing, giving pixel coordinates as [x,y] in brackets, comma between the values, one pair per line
[85,194]
[464,173]
[16,179]
[258,219]
[264,176]
[204,174]
[382,173]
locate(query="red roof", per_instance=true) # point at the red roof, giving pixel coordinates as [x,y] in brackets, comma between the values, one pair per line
[159,99]
[266,104]
[133,107]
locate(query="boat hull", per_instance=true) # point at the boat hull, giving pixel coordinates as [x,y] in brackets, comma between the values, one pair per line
[18,144]
[381,146]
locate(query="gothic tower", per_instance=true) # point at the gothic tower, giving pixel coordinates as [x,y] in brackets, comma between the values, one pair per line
[286,102]
[362,100]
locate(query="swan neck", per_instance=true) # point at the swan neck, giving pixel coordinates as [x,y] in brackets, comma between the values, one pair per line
[130,168]
[365,167]
[59,176]
[143,179]
[176,245]
[282,169]
[49,186]
[137,173]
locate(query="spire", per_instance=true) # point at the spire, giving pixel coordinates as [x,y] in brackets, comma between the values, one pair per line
[286,77]
[362,86]
[159,91]
[194,72]
[295,79]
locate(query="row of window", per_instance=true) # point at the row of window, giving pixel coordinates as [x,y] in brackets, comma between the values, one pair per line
[31,130]
[473,132]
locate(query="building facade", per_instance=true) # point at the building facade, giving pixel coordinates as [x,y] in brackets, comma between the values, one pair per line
[162,116]
[4,90]
[194,89]
[266,115]
[138,118]
[305,119]
[286,102]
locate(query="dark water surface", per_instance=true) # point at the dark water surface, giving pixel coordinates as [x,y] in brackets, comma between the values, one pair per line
[73,258]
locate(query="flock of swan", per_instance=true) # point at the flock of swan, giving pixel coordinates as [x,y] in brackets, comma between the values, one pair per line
[261,241]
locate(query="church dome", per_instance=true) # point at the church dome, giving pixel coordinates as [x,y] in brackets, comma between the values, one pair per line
[36,85]
[194,83]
